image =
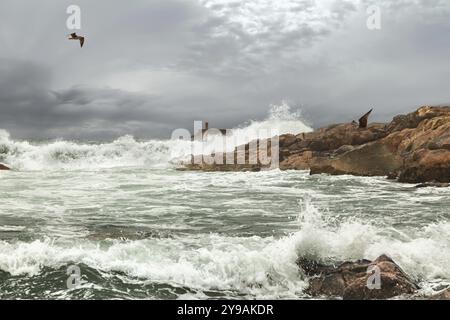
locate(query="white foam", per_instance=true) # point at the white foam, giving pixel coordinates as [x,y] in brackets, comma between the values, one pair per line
[263,267]
[424,253]
[128,152]
[281,120]
[254,266]
[12,228]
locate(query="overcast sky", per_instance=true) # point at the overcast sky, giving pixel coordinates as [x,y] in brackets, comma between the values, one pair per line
[151,66]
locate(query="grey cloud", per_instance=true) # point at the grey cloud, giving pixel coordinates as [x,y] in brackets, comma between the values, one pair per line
[341,8]
[151,66]
[31,109]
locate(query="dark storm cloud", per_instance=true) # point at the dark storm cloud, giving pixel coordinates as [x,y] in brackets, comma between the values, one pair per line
[31,109]
[149,67]
[27,101]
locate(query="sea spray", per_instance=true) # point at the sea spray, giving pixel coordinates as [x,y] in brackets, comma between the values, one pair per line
[254,266]
[127,151]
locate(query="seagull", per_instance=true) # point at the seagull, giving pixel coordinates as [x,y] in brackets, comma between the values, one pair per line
[73,36]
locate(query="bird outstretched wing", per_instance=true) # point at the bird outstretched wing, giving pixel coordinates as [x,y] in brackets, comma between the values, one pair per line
[81,41]
[363,121]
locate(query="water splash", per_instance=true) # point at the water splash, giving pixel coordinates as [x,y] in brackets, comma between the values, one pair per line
[128,152]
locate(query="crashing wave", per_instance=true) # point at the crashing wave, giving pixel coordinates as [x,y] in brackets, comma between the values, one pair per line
[128,152]
[257,266]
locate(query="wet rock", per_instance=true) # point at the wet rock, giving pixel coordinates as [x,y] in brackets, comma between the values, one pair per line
[287,140]
[300,161]
[427,165]
[335,136]
[372,159]
[443,295]
[416,147]
[343,149]
[412,120]
[392,176]
[3,167]
[433,184]
[351,280]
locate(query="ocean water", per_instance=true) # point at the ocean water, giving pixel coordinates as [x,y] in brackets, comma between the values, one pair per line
[136,228]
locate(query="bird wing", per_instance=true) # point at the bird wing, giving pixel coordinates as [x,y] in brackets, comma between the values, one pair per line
[81,41]
[364,119]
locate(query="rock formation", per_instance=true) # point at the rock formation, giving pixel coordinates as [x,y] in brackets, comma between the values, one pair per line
[413,148]
[3,167]
[350,280]
[443,295]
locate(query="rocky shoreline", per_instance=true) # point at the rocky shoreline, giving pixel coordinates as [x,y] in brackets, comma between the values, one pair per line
[351,280]
[363,280]
[412,148]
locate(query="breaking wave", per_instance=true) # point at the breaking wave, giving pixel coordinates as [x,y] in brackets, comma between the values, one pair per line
[126,151]
[256,266]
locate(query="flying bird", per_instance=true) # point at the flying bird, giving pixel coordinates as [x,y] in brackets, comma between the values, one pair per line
[73,36]
[365,119]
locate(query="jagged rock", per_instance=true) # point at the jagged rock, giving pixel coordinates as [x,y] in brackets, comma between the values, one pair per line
[343,149]
[349,280]
[319,145]
[413,148]
[392,176]
[430,134]
[3,167]
[427,165]
[299,162]
[372,159]
[287,140]
[416,148]
[443,295]
[335,136]
[412,120]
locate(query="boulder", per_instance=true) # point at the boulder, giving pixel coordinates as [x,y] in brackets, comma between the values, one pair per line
[377,158]
[350,280]
[426,165]
[3,167]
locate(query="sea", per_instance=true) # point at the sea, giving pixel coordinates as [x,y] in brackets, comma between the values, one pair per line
[118,220]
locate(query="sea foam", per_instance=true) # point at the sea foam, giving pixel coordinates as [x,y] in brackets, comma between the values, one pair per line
[127,151]
[257,266]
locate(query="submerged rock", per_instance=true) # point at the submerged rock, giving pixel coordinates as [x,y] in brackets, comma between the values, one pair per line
[3,167]
[392,176]
[433,184]
[352,280]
